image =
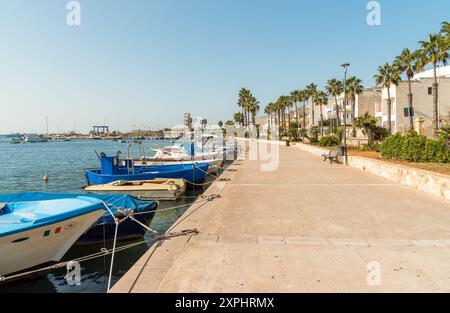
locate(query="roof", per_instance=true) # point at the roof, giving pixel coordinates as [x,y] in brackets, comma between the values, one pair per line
[441,72]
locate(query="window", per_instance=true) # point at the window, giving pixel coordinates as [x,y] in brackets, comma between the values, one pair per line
[430,90]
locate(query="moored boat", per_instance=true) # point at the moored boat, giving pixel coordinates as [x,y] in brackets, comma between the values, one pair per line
[156,189]
[213,165]
[103,229]
[111,171]
[39,233]
[33,138]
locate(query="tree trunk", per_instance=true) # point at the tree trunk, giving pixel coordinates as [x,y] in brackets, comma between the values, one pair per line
[338,118]
[389,111]
[304,114]
[321,121]
[279,123]
[435,102]
[296,115]
[353,115]
[410,105]
[289,119]
[312,112]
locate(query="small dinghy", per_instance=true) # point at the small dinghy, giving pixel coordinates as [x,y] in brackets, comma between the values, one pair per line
[156,189]
[38,233]
[111,171]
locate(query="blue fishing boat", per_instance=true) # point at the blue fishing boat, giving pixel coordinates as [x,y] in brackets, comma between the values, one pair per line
[111,171]
[36,233]
[102,230]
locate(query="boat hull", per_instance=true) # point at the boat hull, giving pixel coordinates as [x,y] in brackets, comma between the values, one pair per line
[25,250]
[149,190]
[189,172]
[104,229]
[213,165]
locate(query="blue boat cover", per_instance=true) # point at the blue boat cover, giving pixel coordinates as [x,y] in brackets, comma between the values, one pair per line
[113,201]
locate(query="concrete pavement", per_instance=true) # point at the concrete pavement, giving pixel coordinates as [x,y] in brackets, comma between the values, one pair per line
[307,227]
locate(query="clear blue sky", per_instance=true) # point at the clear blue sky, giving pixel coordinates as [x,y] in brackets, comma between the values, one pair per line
[146,62]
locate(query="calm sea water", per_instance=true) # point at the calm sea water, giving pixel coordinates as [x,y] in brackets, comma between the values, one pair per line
[24,165]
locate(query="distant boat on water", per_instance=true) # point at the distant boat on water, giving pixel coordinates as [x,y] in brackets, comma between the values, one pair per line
[32,138]
[16,141]
[16,135]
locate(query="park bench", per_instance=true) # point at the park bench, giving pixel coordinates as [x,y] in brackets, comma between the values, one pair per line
[332,155]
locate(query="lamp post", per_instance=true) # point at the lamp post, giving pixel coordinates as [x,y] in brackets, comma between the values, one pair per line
[345,66]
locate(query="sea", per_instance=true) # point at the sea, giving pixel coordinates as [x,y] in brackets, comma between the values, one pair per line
[23,168]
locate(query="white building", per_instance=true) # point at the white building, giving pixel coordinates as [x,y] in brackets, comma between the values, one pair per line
[422,90]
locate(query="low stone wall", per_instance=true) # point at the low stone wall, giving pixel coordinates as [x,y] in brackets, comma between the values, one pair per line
[429,182]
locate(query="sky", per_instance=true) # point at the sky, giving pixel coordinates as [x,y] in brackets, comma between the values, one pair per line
[144,63]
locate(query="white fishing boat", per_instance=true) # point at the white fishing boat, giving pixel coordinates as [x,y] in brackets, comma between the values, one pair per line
[155,189]
[178,153]
[33,138]
[38,233]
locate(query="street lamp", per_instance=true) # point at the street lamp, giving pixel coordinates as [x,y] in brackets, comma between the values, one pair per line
[345,66]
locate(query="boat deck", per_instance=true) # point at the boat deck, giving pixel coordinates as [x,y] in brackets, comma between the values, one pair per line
[307,227]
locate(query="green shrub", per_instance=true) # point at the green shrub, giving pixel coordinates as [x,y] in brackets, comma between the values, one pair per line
[437,151]
[313,134]
[415,148]
[391,147]
[372,146]
[293,134]
[379,133]
[329,141]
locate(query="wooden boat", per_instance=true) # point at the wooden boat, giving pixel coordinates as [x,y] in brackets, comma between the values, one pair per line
[38,233]
[156,189]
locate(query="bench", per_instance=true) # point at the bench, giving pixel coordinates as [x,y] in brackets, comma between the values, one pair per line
[332,155]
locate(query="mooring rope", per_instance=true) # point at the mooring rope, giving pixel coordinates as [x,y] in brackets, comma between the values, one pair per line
[104,252]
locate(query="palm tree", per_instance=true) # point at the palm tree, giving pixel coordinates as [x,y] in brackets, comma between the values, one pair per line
[304,98]
[387,76]
[283,103]
[253,108]
[335,88]
[278,108]
[445,30]
[296,96]
[244,95]
[367,122]
[311,90]
[289,104]
[239,118]
[320,98]
[435,51]
[354,88]
[408,62]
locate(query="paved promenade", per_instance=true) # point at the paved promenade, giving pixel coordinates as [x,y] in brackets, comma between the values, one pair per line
[307,227]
